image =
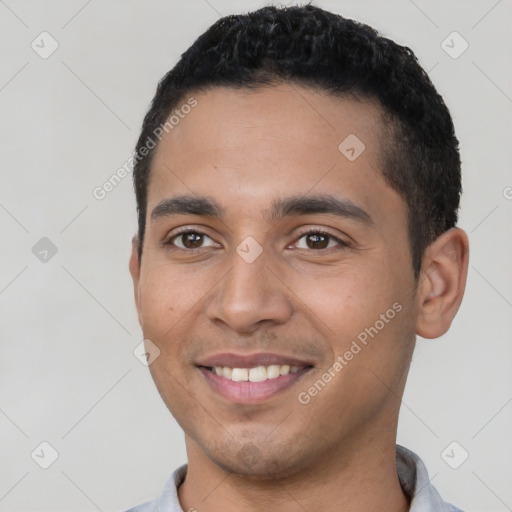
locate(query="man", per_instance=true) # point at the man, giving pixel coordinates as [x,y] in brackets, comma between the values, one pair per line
[297,181]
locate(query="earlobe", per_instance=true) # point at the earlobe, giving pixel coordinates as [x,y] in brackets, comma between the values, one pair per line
[442,282]
[134,266]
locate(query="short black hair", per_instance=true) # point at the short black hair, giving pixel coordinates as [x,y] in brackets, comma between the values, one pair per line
[311,47]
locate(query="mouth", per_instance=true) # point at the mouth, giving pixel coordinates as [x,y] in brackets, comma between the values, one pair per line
[252,379]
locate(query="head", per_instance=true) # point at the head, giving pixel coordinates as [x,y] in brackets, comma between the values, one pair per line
[287,119]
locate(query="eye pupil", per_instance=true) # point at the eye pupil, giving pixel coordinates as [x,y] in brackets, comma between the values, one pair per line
[317,241]
[192,240]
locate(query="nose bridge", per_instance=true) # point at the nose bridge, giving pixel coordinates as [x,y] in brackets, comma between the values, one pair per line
[250,294]
[247,278]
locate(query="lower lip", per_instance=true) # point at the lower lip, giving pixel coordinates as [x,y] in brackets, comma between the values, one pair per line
[246,392]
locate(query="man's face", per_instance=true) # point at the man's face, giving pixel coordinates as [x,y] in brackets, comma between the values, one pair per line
[300,258]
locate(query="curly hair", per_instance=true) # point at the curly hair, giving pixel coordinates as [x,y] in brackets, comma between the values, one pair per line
[309,46]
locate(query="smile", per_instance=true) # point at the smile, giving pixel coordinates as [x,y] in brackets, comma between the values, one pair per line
[252,385]
[256,374]
[251,378]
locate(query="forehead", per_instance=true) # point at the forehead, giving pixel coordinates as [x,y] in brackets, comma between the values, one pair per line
[245,147]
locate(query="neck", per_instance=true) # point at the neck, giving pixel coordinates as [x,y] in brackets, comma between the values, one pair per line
[355,478]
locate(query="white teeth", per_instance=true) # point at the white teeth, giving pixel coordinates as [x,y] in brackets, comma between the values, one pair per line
[285,369]
[273,371]
[256,374]
[240,374]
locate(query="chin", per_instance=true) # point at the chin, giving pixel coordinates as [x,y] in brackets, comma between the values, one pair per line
[258,460]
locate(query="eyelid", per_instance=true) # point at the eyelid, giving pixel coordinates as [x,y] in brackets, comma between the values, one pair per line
[322,231]
[168,239]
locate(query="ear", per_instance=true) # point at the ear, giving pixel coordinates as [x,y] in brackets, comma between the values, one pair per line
[442,282]
[134,267]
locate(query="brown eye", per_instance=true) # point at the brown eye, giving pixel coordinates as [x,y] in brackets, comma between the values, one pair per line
[318,240]
[191,240]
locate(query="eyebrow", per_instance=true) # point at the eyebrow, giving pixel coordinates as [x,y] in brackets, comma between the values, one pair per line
[323,203]
[294,205]
[187,205]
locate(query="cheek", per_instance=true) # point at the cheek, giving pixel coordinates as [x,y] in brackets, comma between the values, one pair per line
[363,317]
[166,297]
[343,303]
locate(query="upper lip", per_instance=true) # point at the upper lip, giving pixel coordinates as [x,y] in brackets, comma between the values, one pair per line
[232,360]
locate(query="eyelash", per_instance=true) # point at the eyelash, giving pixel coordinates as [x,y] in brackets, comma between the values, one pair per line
[341,243]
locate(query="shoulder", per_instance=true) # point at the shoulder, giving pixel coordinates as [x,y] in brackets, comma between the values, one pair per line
[415,482]
[148,506]
[168,501]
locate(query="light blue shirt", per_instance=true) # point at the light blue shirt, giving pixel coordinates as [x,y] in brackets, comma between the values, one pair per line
[412,473]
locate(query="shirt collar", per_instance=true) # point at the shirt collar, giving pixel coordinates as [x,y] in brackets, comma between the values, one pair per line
[415,482]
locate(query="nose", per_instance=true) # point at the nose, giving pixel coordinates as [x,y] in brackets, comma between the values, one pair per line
[250,297]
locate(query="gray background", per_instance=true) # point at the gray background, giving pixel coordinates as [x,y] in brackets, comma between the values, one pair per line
[68,326]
